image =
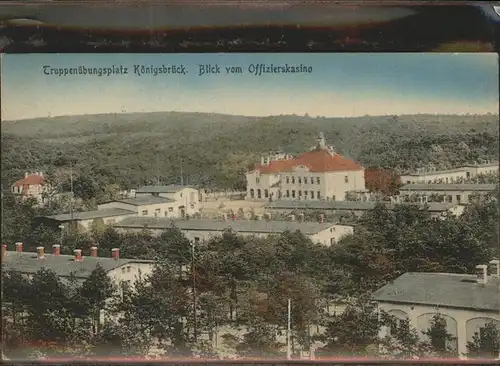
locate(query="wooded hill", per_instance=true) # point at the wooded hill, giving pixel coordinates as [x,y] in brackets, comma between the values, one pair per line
[215,150]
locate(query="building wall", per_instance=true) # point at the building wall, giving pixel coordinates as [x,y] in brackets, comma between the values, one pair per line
[187,197]
[451,196]
[430,177]
[460,323]
[168,209]
[336,232]
[332,235]
[262,182]
[130,272]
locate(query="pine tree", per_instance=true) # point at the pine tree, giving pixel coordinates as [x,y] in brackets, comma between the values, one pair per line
[439,338]
[486,345]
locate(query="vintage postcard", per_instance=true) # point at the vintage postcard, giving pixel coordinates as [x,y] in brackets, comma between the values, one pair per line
[250,206]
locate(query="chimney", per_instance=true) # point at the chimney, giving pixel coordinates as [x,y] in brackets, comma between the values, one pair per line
[482,273]
[4,250]
[322,218]
[56,249]
[26,174]
[494,268]
[41,252]
[19,247]
[115,253]
[93,251]
[78,255]
[292,217]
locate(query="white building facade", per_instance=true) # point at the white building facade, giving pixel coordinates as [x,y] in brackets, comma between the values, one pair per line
[31,186]
[185,200]
[466,302]
[319,174]
[431,175]
[449,193]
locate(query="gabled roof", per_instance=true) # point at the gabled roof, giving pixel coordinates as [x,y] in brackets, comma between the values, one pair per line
[88,215]
[62,265]
[321,160]
[143,200]
[443,290]
[32,179]
[171,188]
[449,187]
[244,226]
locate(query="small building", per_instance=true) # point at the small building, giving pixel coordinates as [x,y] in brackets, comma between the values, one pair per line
[455,175]
[318,174]
[146,205]
[185,198]
[122,272]
[200,230]
[83,221]
[353,208]
[466,302]
[31,186]
[450,193]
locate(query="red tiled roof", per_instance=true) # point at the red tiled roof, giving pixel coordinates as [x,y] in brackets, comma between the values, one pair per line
[30,180]
[316,161]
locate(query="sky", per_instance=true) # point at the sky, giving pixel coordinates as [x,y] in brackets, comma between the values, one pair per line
[340,85]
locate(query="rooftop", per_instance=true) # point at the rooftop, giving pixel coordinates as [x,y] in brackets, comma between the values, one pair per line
[319,160]
[89,215]
[346,205]
[62,265]
[448,187]
[435,172]
[441,289]
[143,200]
[244,226]
[172,188]
[31,179]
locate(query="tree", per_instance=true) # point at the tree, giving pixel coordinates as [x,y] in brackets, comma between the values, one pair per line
[260,341]
[401,341]
[439,338]
[96,291]
[487,344]
[352,332]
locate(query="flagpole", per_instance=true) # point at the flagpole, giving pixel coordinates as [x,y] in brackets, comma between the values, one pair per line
[288,345]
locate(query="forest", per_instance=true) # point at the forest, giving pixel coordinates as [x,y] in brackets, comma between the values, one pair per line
[214,151]
[242,284]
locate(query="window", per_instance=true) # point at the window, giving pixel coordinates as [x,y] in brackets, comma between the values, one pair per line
[318,195]
[408,182]
[123,269]
[446,179]
[317,180]
[293,180]
[166,213]
[300,180]
[293,194]
[257,180]
[287,193]
[333,198]
[144,212]
[312,194]
[196,239]
[170,209]
[468,174]
[181,194]
[157,212]
[305,193]
[266,193]
[252,193]
[346,179]
[259,193]
[300,193]
[459,198]
[449,198]
[305,180]
[332,241]
[287,180]
[129,269]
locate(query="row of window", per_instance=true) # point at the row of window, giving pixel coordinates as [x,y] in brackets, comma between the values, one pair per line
[307,194]
[299,180]
[157,212]
[441,198]
[259,193]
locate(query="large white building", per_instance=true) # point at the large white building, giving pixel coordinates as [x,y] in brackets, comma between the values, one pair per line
[466,302]
[122,272]
[450,193]
[431,175]
[319,174]
[200,230]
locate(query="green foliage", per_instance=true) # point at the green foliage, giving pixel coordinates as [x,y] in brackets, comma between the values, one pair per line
[439,338]
[486,345]
[215,150]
